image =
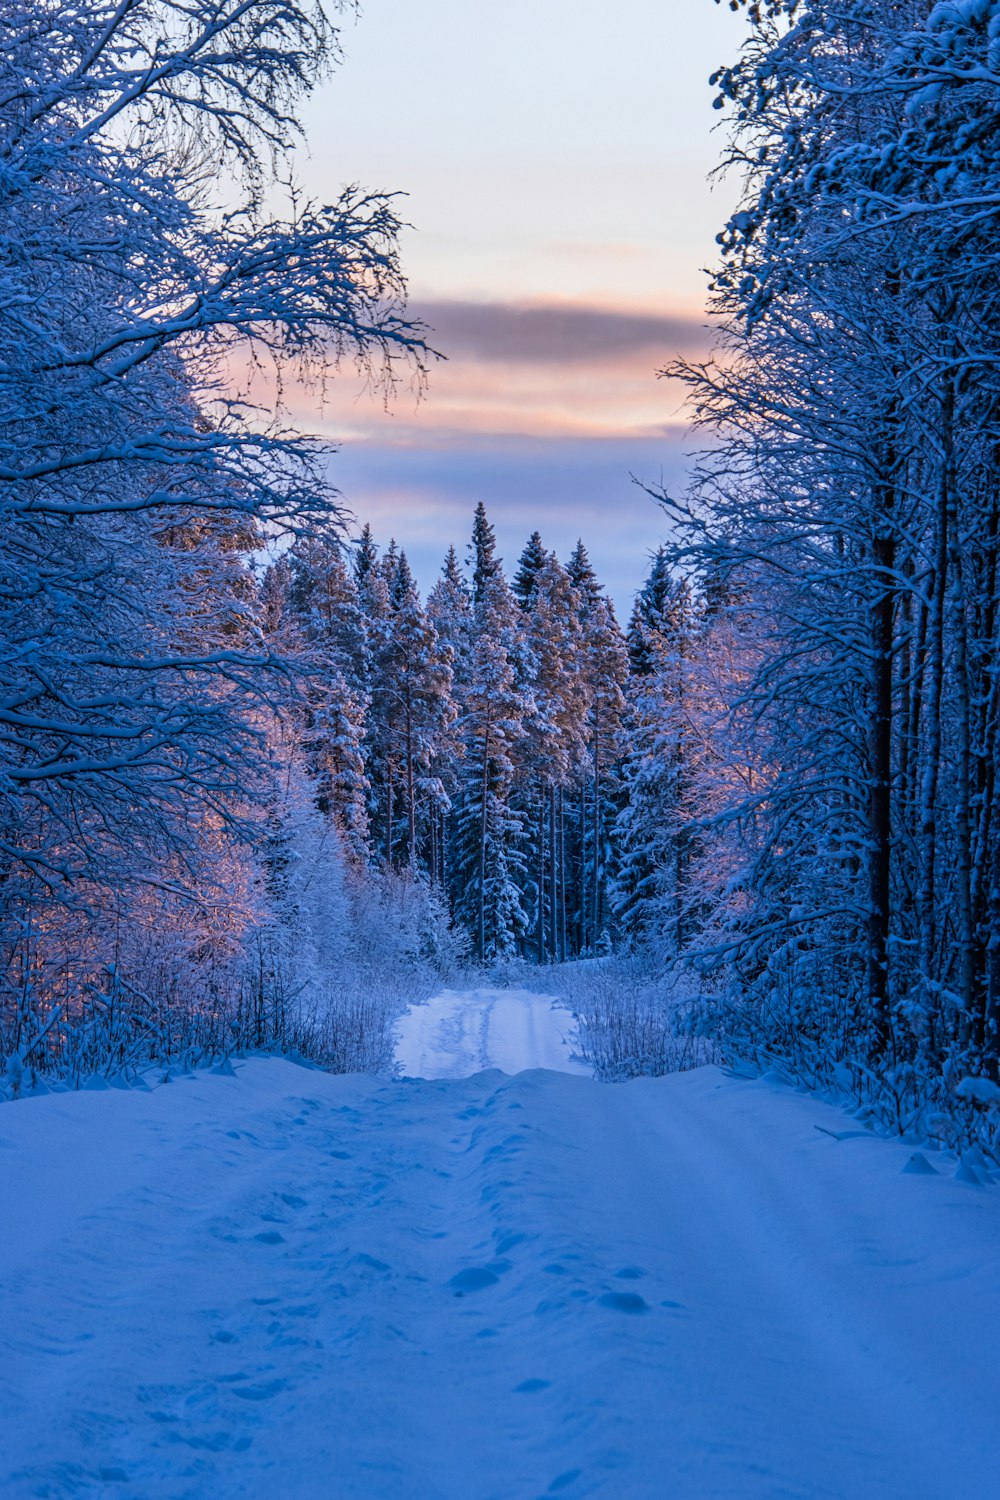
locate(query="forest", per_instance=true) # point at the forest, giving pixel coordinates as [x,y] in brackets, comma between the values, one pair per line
[257,791]
[464,1036]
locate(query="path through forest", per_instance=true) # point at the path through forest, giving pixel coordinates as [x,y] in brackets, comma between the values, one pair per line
[291,1286]
[461,1032]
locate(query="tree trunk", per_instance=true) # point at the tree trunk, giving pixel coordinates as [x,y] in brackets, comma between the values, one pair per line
[596,913]
[966,978]
[931,744]
[540,914]
[880,793]
[553,930]
[411,800]
[481,925]
[562,877]
[582,895]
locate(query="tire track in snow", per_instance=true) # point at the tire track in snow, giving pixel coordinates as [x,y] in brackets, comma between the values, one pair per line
[458,1033]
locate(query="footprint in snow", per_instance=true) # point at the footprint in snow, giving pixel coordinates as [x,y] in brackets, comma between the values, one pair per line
[563,1481]
[509,1241]
[371,1263]
[625,1302]
[262,1390]
[473,1279]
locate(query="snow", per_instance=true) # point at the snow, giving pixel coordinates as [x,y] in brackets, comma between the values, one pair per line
[458,1033]
[982,1090]
[291,1285]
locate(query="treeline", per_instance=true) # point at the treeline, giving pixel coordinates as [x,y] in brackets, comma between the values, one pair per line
[843,839]
[496,740]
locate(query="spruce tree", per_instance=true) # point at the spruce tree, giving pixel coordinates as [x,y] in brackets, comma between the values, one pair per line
[582,576]
[365,556]
[606,666]
[449,608]
[530,564]
[556,745]
[489,861]
[321,599]
[650,893]
[482,554]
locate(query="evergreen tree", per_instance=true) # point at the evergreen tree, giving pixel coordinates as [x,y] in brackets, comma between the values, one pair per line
[449,608]
[483,554]
[556,745]
[489,862]
[606,669]
[530,564]
[412,715]
[582,577]
[388,565]
[322,600]
[421,665]
[382,738]
[650,893]
[365,556]
[403,583]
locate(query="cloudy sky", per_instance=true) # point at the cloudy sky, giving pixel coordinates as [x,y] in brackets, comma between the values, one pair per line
[555,156]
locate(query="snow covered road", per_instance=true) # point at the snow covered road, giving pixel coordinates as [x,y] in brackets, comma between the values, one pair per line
[296,1287]
[461,1032]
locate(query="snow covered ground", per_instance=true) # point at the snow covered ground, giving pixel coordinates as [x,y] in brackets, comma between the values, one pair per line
[461,1032]
[297,1287]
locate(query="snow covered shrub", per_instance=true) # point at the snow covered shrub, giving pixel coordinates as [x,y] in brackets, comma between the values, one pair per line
[401,924]
[357,945]
[634,1022]
[289,946]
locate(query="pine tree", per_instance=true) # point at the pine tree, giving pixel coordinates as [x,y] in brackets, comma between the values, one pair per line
[483,554]
[650,892]
[449,608]
[388,565]
[421,666]
[556,744]
[382,762]
[411,720]
[335,744]
[322,601]
[365,556]
[530,564]
[403,583]
[489,862]
[606,667]
[322,597]
[582,577]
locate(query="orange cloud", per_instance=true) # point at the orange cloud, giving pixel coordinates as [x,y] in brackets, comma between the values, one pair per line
[551,369]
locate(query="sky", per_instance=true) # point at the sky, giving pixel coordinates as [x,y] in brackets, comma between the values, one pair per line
[555,157]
